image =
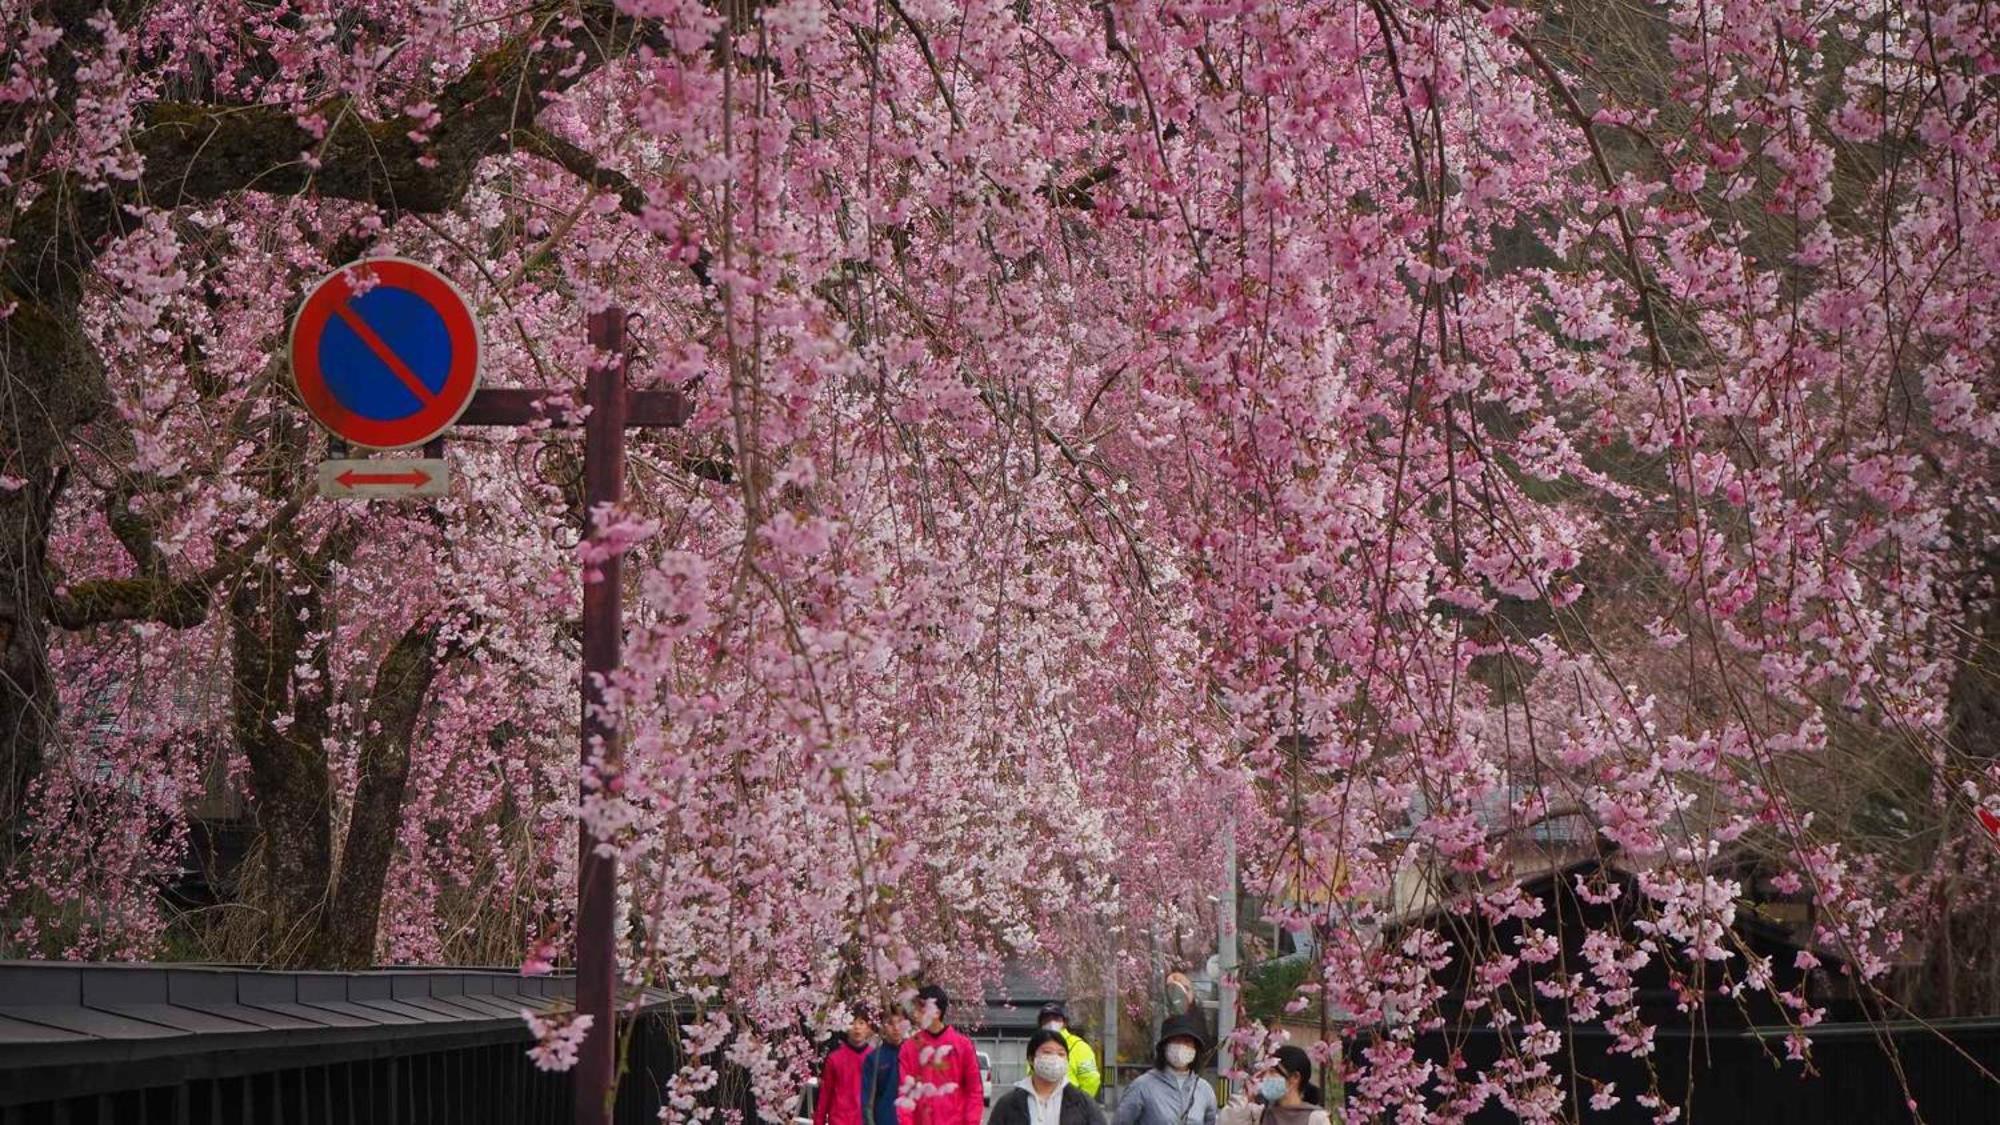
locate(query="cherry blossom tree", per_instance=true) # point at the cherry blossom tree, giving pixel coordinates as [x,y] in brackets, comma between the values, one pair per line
[1345,418]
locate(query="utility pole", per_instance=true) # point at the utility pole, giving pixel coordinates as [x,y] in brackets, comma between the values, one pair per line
[613,408]
[1225,938]
[1158,985]
[1110,1065]
[603,637]
[1110,1060]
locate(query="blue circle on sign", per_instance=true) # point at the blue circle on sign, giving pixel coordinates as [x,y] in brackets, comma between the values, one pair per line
[370,337]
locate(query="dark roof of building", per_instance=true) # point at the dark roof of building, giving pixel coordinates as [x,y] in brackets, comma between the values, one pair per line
[1014,1006]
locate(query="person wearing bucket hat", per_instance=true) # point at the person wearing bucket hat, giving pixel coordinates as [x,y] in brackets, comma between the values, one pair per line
[1285,1093]
[1171,1093]
[1083,1073]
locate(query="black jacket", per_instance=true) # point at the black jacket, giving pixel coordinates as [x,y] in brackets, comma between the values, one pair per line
[1077,1108]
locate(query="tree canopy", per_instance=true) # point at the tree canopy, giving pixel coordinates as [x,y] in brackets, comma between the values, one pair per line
[1391,427]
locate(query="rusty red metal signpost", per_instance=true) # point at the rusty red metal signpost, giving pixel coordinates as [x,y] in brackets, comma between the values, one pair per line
[613,407]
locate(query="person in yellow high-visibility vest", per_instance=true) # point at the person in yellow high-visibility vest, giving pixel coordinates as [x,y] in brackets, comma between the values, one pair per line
[1083,1073]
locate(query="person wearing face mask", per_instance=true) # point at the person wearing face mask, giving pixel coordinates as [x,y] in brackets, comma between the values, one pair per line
[1285,1094]
[839,1100]
[1171,1093]
[1083,1073]
[939,1082]
[1046,1096]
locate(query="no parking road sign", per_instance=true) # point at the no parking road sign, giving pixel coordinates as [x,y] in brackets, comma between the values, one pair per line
[386,353]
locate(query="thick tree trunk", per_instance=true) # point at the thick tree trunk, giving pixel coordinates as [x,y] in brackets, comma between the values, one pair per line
[1960,973]
[402,685]
[50,385]
[318,914]
[1975,690]
[28,698]
[281,733]
[1970,940]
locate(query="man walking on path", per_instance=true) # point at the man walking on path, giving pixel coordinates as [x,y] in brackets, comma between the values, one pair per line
[1083,1073]
[839,1100]
[940,1079]
[881,1072]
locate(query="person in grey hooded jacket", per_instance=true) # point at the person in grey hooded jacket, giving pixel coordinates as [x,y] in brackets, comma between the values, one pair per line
[1172,1093]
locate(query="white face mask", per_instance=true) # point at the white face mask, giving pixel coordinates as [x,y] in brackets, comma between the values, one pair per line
[1051,1068]
[1180,1056]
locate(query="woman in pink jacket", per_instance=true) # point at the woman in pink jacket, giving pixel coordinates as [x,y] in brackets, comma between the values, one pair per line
[940,1068]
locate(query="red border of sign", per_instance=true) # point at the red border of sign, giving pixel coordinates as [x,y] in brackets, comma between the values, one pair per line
[460,382]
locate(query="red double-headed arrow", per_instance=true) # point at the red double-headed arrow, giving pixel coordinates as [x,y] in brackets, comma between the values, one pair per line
[383,480]
[415,478]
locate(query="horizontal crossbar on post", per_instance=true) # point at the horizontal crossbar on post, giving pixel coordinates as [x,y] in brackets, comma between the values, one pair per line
[519,406]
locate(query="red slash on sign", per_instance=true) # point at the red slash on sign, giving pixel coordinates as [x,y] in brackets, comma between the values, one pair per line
[388,478]
[1989,820]
[387,355]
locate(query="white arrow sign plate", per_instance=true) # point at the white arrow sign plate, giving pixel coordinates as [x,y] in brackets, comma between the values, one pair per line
[385,478]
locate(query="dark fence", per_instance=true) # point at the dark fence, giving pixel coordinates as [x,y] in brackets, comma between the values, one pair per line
[174,1045]
[1859,1073]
